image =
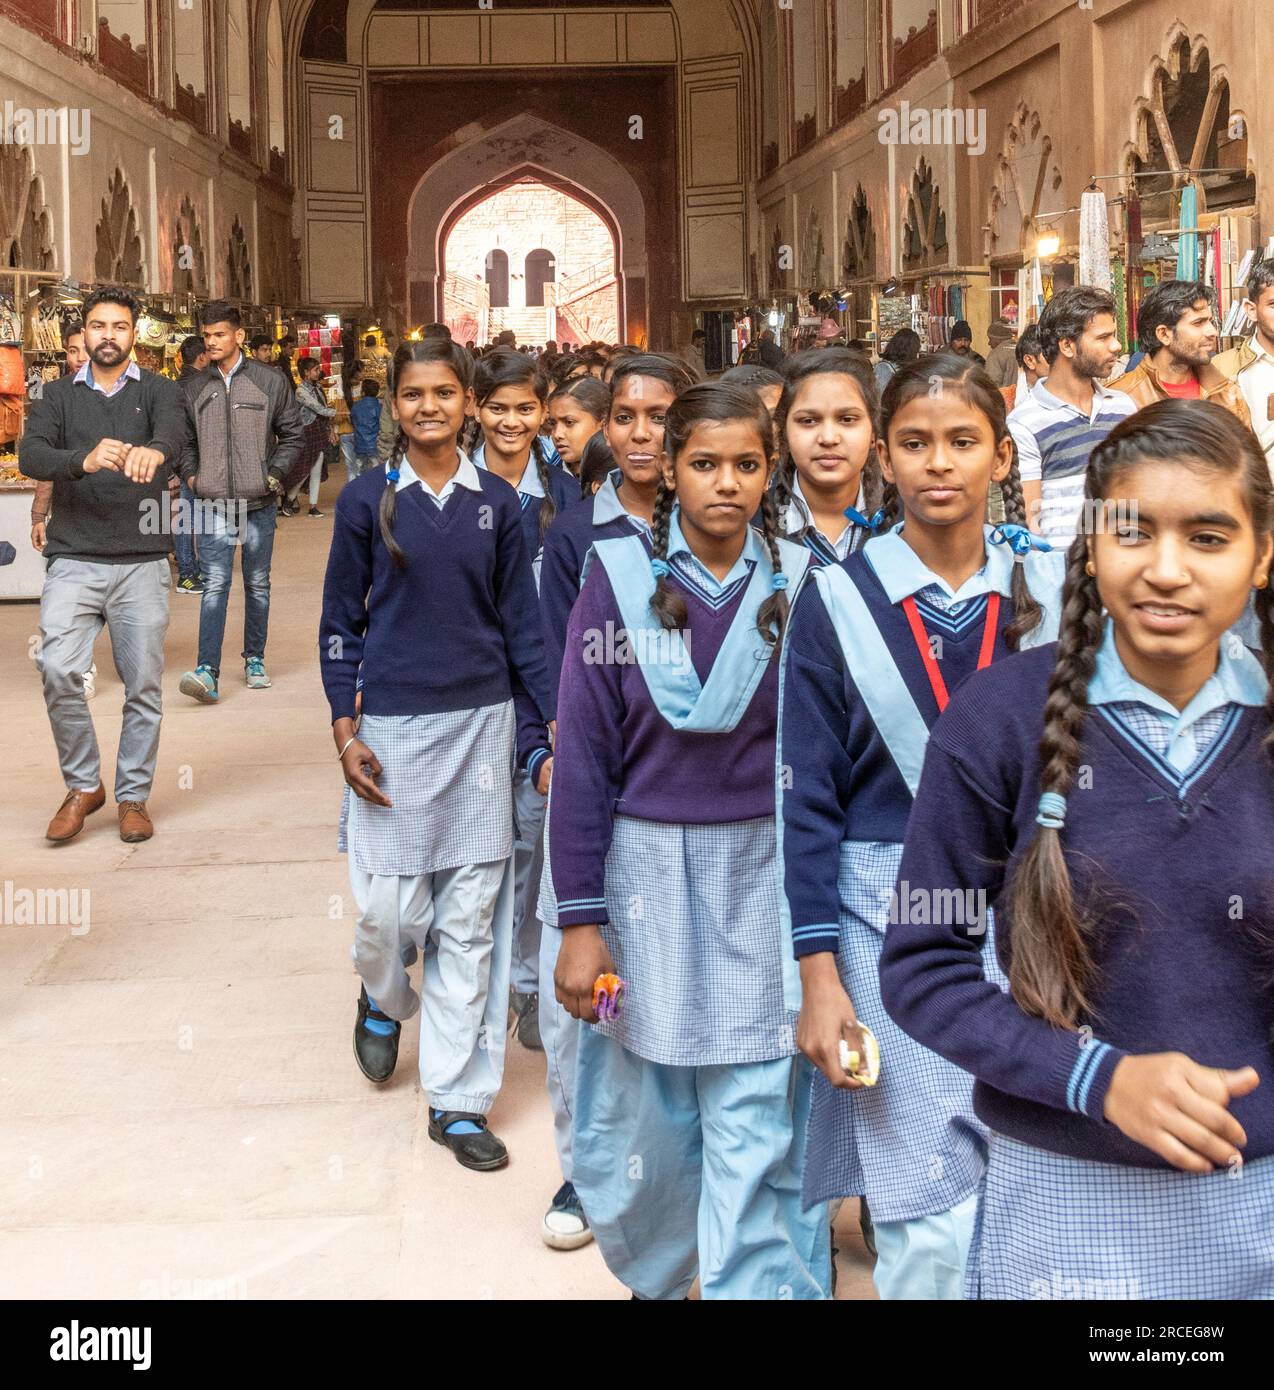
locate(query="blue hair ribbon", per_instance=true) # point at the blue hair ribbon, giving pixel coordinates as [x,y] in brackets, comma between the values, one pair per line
[392,475]
[779,581]
[1019,539]
[1052,811]
[872,523]
[659,568]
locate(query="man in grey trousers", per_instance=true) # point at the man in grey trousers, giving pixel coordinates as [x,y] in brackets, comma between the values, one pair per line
[107,438]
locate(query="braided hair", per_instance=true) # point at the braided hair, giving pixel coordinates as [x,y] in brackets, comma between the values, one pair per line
[969,381]
[508,367]
[798,370]
[450,355]
[1052,973]
[716,402]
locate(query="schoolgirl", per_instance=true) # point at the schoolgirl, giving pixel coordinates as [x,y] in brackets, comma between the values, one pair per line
[429,597]
[1115,810]
[689,1104]
[766,383]
[826,417]
[876,644]
[510,396]
[624,505]
[576,412]
[597,463]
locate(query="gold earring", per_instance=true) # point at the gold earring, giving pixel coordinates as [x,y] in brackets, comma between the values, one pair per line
[1261,581]
[1090,570]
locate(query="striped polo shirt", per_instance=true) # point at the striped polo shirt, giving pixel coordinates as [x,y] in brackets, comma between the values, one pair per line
[1054,440]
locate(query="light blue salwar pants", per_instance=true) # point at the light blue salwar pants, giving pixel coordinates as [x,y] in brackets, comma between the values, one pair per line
[688,1171]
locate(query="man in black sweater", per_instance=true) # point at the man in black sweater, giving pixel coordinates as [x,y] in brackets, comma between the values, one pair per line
[107,438]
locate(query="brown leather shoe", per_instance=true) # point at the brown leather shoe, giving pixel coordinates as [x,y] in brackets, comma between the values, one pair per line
[134,822]
[69,821]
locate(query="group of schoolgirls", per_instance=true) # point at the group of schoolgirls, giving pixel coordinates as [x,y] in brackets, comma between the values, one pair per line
[744,640]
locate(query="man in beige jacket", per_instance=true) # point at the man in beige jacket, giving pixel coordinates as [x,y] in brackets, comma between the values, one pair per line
[1176,329]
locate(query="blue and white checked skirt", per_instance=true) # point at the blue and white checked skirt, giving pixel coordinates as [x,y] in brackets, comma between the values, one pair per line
[546,905]
[1052,1227]
[450,777]
[911,1144]
[697,939]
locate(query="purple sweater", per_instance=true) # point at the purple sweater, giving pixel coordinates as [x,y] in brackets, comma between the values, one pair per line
[617,755]
[1160,871]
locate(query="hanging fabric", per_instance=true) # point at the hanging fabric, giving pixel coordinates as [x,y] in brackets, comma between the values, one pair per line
[1037,286]
[1094,240]
[1188,245]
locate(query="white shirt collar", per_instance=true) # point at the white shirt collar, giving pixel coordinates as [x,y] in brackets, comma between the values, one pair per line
[1256,347]
[466,475]
[798,515]
[86,378]
[752,550]
[902,572]
[1043,396]
[1237,680]
[529,484]
[606,503]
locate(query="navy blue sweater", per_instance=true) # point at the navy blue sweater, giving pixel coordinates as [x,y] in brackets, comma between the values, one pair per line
[841,780]
[457,629]
[566,547]
[1158,870]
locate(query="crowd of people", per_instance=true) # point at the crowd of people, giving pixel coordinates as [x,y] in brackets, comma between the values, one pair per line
[827,765]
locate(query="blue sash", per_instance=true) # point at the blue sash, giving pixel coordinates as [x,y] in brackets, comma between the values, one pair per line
[868,660]
[717,705]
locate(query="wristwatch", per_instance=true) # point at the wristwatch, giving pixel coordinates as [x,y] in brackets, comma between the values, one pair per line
[274,484]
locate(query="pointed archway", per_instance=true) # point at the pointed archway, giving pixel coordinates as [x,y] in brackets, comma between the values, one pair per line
[526,146]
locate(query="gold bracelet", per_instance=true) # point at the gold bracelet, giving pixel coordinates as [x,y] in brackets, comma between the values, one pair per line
[341,754]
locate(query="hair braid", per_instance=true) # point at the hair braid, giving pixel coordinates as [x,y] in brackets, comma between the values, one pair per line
[890,504]
[668,605]
[1052,966]
[548,508]
[1027,614]
[771,616]
[389,504]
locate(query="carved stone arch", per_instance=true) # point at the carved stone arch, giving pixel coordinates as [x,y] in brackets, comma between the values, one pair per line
[924,227]
[813,268]
[858,258]
[1183,122]
[521,146]
[1027,183]
[26,224]
[238,264]
[190,262]
[120,256]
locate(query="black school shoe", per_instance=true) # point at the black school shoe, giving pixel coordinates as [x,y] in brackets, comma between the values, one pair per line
[481,1152]
[376,1053]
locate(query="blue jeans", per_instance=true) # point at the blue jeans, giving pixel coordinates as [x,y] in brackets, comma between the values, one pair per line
[223,532]
[347,453]
[184,536]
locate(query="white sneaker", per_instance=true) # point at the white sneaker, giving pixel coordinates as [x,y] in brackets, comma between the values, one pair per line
[90,682]
[565,1227]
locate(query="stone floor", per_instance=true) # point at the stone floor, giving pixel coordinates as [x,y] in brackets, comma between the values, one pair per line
[180,1112]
